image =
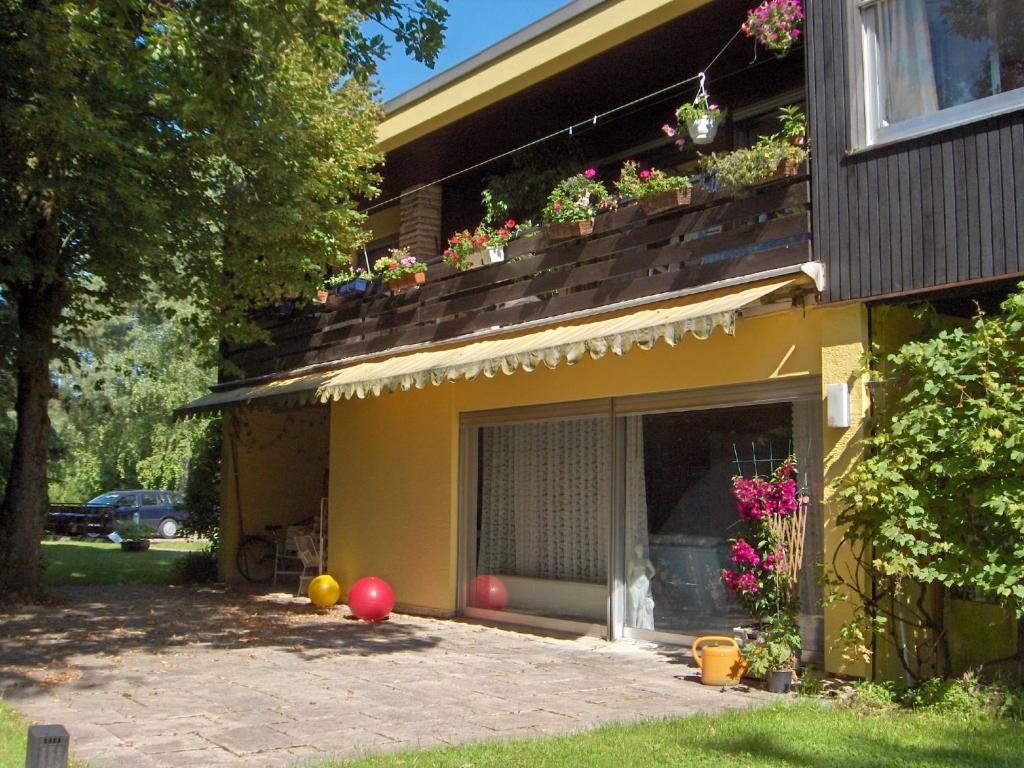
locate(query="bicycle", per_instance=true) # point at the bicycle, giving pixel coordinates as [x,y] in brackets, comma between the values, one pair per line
[255,558]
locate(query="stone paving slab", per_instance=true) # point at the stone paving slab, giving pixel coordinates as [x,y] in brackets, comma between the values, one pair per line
[169,677]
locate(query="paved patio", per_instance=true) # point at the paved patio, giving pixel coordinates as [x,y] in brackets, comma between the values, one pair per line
[175,676]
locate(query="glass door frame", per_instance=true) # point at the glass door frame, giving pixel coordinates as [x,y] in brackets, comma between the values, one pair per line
[616,409]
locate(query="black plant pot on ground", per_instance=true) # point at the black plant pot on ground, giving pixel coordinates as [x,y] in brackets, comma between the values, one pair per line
[135,545]
[780,680]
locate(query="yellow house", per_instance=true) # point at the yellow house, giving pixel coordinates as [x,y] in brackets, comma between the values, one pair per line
[549,441]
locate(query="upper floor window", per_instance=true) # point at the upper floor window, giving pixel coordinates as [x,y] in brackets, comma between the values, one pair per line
[931,64]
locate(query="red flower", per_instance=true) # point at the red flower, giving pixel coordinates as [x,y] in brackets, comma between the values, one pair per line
[510,224]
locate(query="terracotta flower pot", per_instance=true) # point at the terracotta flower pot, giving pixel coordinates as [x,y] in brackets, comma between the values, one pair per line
[407,281]
[567,229]
[664,201]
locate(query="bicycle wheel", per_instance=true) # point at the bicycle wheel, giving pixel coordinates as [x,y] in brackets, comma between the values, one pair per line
[255,559]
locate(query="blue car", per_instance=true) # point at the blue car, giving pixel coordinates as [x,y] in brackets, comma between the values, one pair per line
[161,510]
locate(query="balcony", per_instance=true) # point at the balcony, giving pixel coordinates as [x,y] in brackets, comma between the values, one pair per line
[630,258]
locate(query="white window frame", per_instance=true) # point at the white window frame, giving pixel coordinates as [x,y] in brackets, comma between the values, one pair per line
[866,95]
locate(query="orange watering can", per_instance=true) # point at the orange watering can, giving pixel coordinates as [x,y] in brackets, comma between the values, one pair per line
[719,664]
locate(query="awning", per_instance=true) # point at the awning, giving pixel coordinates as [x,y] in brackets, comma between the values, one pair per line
[296,390]
[550,347]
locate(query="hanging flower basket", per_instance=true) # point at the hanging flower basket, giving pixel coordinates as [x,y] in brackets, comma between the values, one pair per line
[485,256]
[407,281]
[703,130]
[665,201]
[566,229]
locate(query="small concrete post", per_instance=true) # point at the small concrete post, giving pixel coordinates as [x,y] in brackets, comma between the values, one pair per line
[47,746]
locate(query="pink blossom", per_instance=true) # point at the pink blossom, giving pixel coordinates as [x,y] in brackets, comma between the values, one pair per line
[557,207]
[645,174]
[590,173]
[668,130]
[744,554]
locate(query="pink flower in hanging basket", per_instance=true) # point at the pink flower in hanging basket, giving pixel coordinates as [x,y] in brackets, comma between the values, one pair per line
[590,173]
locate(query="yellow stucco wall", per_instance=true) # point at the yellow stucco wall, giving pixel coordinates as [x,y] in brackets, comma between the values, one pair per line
[561,48]
[844,343]
[394,459]
[282,456]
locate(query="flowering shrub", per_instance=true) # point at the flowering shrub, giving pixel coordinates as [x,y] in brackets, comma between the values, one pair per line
[636,183]
[575,199]
[775,24]
[462,244]
[760,497]
[759,578]
[397,264]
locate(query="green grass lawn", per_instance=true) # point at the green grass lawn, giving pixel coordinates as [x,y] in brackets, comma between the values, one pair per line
[807,734]
[101,562]
[12,737]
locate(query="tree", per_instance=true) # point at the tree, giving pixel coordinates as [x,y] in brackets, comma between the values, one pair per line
[213,152]
[938,502]
[116,395]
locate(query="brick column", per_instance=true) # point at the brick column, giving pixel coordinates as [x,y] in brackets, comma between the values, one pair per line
[420,227]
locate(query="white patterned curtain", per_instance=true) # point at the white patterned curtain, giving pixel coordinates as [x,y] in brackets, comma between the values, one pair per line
[907,60]
[639,568]
[544,495]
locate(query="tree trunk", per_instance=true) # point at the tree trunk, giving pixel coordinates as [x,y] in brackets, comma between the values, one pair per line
[39,305]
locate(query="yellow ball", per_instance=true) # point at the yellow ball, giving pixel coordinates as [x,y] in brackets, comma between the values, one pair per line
[324,591]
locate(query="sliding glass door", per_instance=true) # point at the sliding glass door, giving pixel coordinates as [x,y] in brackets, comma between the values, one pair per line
[540,534]
[624,521]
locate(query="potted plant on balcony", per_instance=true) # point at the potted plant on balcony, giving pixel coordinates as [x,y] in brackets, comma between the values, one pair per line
[573,204]
[655,190]
[775,24]
[134,537]
[770,158]
[701,118]
[349,281]
[400,269]
[794,125]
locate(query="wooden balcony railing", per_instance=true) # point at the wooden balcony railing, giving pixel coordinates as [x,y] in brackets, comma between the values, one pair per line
[629,256]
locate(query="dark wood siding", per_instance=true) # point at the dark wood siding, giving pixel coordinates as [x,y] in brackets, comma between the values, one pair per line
[919,214]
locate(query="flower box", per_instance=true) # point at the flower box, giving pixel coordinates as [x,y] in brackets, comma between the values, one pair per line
[664,201]
[566,229]
[407,281]
[355,287]
[485,256]
[786,169]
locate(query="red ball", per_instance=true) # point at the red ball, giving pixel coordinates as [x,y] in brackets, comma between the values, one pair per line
[489,592]
[371,598]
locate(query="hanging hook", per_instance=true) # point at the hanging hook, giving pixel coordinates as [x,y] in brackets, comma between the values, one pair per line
[702,94]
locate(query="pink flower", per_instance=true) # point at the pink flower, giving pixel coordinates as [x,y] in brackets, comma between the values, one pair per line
[645,174]
[590,173]
[557,207]
[744,554]
[668,130]
[680,143]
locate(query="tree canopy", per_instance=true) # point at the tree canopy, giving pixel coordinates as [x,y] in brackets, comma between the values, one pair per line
[213,152]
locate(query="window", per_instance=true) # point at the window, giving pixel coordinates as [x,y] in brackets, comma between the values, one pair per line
[150,499]
[931,64]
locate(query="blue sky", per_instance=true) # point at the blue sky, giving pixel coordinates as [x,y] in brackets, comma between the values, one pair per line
[472,26]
